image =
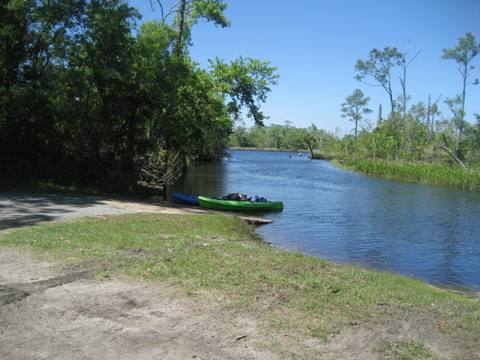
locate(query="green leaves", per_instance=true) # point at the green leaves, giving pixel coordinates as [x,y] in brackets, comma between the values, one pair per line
[246,83]
[464,51]
[378,65]
[210,10]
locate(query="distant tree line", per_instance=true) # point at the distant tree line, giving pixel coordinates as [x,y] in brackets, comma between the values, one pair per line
[409,131]
[89,97]
[282,137]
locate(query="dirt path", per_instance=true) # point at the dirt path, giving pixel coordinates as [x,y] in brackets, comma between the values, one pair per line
[49,311]
[23,209]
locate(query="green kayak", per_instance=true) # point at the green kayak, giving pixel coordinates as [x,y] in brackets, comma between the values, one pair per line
[235,205]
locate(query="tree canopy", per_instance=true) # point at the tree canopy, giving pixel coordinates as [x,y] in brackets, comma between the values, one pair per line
[89,97]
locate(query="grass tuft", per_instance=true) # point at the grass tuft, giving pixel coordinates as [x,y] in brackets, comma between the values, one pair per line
[404,350]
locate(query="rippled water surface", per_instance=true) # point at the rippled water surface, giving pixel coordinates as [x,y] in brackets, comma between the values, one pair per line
[423,231]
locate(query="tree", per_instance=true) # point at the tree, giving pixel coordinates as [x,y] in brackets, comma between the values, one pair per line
[405,63]
[188,12]
[88,98]
[379,67]
[463,54]
[355,107]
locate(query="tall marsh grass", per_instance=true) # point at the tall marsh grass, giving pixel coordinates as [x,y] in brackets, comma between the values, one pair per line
[428,173]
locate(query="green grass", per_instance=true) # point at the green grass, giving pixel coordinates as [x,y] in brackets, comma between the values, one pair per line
[291,292]
[428,173]
[324,155]
[405,350]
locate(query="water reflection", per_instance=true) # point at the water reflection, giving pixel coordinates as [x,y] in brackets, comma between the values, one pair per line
[423,231]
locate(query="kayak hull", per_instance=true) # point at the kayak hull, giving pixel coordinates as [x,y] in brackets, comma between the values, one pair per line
[185,198]
[234,205]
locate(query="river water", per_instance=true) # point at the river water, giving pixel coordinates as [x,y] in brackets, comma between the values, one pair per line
[427,232]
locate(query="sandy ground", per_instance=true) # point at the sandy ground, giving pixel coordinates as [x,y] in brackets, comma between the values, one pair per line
[55,311]
[49,311]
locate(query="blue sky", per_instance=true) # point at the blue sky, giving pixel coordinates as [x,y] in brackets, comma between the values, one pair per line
[315,44]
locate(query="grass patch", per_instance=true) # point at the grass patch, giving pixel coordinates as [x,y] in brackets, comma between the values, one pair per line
[427,173]
[405,350]
[292,292]
[323,155]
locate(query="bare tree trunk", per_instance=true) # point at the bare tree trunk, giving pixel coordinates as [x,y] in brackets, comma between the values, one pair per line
[403,82]
[451,153]
[392,102]
[312,155]
[380,119]
[429,114]
[167,165]
[462,115]
[181,27]
[396,128]
[432,127]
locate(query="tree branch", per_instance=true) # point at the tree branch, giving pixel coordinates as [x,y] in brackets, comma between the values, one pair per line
[414,57]
[364,82]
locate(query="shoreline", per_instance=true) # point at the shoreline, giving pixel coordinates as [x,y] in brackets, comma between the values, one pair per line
[131,205]
[165,208]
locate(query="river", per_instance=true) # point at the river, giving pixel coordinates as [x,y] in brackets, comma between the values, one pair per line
[427,232]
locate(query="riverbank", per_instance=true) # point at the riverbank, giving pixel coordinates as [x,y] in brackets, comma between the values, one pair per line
[425,173]
[301,306]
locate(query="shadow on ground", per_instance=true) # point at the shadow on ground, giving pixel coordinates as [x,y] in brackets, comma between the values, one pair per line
[23,209]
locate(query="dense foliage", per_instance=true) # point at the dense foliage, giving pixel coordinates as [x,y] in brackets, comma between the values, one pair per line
[89,97]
